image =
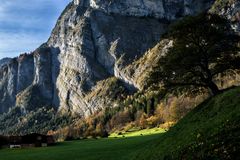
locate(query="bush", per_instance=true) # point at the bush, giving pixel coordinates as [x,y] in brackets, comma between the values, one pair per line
[120,119]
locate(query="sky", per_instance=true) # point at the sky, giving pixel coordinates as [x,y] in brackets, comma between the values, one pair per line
[26,24]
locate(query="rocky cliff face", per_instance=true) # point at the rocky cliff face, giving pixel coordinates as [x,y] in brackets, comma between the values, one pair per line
[90,47]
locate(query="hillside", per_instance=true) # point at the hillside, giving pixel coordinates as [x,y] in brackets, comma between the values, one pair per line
[210,131]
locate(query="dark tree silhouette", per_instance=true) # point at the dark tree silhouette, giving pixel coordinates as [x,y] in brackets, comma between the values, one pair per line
[203,47]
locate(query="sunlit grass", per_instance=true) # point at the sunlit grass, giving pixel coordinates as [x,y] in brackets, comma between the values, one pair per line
[143,132]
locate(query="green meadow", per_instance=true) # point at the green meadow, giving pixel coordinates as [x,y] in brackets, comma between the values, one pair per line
[98,149]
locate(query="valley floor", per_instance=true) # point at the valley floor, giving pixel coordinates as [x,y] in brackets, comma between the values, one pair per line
[100,149]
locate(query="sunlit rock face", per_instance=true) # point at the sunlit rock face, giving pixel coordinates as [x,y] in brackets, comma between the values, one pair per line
[167,9]
[93,41]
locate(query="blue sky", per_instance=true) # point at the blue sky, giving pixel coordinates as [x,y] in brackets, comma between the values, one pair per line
[26,24]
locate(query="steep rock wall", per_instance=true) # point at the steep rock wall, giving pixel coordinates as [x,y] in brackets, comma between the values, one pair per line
[28,70]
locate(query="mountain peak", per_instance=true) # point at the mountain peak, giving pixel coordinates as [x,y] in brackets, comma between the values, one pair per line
[162,9]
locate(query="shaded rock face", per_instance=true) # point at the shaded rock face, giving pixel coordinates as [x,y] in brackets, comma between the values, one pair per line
[25,72]
[92,41]
[8,85]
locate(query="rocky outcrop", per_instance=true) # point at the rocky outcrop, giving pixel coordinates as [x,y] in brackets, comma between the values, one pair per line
[92,44]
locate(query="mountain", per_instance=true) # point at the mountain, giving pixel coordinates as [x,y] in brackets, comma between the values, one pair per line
[91,42]
[97,57]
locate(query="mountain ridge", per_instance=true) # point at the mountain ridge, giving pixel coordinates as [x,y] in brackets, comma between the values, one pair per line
[80,51]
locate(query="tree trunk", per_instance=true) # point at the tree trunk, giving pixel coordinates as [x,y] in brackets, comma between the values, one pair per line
[214,88]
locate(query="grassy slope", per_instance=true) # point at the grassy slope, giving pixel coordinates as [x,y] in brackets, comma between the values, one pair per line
[211,131]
